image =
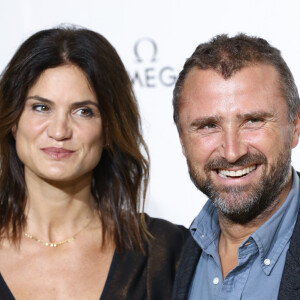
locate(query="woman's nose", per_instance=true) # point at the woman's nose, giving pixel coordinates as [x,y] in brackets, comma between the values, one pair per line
[59,128]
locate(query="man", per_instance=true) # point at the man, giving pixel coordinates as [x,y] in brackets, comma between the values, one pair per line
[236,107]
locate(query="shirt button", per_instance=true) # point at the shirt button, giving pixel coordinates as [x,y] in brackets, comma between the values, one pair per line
[216,280]
[267,262]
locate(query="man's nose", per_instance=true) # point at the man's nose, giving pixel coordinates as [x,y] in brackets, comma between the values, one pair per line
[59,127]
[233,146]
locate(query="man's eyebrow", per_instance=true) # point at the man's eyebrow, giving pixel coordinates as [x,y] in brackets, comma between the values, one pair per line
[256,115]
[200,122]
[203,121]
[75,104]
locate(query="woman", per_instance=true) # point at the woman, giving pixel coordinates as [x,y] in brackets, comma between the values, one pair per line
[72,176]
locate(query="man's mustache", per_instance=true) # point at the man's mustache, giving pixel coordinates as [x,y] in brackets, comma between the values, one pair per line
[246,160]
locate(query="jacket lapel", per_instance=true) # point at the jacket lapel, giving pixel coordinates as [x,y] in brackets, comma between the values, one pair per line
[290,281]
[186,269]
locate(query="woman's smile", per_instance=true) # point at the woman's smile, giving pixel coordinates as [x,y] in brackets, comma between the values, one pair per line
[57,153]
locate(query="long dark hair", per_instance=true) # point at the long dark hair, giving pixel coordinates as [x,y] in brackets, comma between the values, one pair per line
[120,179]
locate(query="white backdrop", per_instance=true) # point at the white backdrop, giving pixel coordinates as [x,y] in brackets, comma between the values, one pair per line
[154,38]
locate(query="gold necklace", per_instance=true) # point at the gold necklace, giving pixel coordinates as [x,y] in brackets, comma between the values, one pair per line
[54,245]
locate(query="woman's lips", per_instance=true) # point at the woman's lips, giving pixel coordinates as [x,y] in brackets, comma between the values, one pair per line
[57,153]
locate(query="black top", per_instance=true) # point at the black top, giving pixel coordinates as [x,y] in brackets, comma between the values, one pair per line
[134,276]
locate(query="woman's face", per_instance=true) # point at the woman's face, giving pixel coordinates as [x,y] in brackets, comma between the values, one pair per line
[59,136]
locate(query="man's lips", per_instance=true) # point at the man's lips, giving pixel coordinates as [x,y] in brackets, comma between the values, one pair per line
[57,153]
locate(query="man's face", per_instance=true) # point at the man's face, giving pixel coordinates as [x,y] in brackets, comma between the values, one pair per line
[237,139]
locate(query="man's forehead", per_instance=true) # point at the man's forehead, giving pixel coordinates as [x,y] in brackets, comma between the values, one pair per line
[254,89]
[257,78]
[257,68]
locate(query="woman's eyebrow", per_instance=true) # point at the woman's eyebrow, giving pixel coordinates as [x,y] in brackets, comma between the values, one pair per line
[85,102]
[74,104]
[39,98]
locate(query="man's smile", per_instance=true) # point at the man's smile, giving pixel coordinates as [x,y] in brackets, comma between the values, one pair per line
[238,173]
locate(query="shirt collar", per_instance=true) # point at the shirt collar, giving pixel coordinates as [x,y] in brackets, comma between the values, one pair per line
[275,233]
[270,238]
[205,228]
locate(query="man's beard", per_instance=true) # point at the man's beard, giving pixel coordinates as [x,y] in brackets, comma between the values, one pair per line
[243,203]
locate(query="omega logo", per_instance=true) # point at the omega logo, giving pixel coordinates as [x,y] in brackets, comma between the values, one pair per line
[149,72]
[145,48]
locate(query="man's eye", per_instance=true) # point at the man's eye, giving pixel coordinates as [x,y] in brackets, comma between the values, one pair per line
[254,123]
[210,126]
[40,107]
[254,120]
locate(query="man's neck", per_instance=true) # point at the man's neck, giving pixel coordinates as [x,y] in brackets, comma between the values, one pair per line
[232,235]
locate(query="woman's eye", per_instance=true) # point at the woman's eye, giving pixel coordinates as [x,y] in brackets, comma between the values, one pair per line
[40,107]
[84,112]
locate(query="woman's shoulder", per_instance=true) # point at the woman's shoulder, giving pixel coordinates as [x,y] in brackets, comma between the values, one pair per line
[149,275]
[165,233]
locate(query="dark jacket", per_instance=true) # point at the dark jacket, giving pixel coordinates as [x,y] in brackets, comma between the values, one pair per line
[290,281]
[135,276]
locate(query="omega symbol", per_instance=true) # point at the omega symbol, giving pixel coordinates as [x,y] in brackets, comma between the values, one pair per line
[148,72]
[145,49]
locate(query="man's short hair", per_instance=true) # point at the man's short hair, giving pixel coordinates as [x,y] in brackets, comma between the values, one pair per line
[227,55]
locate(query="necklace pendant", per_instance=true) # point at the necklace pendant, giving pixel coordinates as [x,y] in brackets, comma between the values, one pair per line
[55,245]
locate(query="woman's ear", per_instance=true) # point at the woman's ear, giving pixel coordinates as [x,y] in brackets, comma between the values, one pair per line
[14,130]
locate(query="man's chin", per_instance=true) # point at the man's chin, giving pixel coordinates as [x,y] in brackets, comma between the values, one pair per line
[239,206]
[244,199]
[236,209]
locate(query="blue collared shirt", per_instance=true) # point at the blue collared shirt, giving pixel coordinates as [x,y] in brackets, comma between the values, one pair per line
[261,256]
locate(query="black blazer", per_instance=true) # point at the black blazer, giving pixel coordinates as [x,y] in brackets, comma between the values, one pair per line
[290,281]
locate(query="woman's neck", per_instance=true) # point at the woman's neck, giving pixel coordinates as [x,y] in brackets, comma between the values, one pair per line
[57,210]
